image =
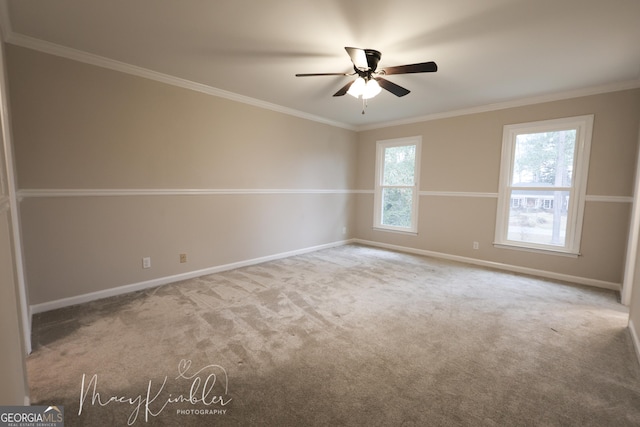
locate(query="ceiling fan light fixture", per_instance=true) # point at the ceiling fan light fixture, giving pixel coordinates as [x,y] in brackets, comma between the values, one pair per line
[366,89]
[371,89]
[357,88]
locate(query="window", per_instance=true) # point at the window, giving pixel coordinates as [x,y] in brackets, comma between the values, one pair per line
[396,189]
[543,181]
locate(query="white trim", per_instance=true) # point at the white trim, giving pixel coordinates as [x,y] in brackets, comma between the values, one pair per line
[84,298]
[458,194]
[111,64]
[634,339]
[97,192]
[396,231]
[609,199]
[75,192]
[536,250]
[497,265]
[125,289]
[435,193]
[593,90]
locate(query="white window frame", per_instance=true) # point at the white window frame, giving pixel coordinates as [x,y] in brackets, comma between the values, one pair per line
[381,146]
[577,191]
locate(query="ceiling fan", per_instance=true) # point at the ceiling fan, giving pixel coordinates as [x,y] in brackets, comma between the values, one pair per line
[369,81]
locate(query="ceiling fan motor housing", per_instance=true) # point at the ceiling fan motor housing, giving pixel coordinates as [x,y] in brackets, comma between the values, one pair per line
[373,56]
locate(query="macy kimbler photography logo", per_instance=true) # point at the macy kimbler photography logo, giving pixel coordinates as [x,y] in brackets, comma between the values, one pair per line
[206,393]
[31,416]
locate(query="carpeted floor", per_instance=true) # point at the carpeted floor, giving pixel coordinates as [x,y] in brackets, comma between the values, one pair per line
[352,336]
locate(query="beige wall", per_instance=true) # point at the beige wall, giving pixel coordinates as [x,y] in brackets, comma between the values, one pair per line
[462,154]
[81,126]
[13,389]
[78,126]
[13,382]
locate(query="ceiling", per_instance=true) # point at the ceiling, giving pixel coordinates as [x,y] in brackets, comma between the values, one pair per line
[489,52]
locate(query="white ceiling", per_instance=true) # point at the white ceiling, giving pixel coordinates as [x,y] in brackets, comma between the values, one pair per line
[489,52]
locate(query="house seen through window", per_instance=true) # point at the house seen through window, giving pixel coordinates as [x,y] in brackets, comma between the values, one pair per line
[543,183]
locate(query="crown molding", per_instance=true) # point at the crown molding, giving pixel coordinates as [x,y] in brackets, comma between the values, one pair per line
[558,96]
[9,36]
[101,61]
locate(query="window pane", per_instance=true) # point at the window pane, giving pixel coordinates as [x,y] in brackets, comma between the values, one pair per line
[399,164]
[396,206]
[538,217]
[544,159]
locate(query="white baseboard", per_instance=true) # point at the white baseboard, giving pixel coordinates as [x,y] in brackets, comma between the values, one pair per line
[79,299]
[497,265]
[106,293]
[635,338]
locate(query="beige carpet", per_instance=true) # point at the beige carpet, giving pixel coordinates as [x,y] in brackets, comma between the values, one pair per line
[351,336]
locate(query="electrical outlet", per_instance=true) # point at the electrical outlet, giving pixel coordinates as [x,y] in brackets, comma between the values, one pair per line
[476,245]
[183,258]
[146,262]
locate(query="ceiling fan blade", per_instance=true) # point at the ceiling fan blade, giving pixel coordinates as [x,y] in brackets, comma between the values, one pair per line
[392,87]
[358,57]
[324,74]
[422,67]
[344,89]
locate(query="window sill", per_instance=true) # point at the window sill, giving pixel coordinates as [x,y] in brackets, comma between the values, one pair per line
[393,230]
[536,250]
